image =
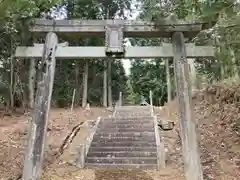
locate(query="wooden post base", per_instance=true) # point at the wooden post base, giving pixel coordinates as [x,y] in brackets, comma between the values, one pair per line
[81,156]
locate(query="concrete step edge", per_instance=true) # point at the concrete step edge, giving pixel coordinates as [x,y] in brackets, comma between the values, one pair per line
[137,142]
[124,166]
[122,158]
[116,147]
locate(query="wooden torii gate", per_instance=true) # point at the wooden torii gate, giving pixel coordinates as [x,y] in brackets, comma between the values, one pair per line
[114,32]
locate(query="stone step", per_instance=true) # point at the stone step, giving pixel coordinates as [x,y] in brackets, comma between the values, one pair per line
[128,119]
[145,109]
[122,154]
[121,125]
[126,114]
[142,111]
[124,130]
[126,125]
[122,160]
[124,141]
[124,144]
[127,122]
[116,149]
[124,138]
[127,134]
[133,109]
[122,166]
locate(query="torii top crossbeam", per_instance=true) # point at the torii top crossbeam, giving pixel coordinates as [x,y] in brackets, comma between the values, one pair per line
[114,32]
[164,28]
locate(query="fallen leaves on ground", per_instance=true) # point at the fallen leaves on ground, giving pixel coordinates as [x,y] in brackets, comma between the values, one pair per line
[217,113]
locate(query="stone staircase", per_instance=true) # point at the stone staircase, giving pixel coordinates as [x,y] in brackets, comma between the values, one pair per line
[127,140]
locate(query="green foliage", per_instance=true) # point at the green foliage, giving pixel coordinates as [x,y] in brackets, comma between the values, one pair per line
[225,36]
[69,74]
[145,75]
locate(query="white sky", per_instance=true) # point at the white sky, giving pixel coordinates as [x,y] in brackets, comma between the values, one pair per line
[126,62]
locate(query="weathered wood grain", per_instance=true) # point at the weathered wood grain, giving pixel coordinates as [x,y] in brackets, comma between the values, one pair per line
[38,126]
[192,164]
[81,52]
[89,28]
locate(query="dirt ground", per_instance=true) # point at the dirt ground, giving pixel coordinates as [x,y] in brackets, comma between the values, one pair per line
[13,135]
[217,115]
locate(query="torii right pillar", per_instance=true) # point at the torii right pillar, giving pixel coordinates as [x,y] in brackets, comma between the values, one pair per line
[192,163]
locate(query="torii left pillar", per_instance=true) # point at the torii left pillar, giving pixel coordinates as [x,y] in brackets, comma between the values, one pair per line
[33,162]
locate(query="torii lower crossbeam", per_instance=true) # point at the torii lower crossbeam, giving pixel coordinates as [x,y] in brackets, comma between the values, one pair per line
[165,51]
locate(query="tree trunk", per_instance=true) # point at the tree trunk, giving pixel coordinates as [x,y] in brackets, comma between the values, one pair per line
[222,71]
[22,82]
[106,9]
[85,84]
[192,73]
[110,83]
[105,84]
[235,68]
[31,82]
[169,92]
[12,84]
[77,83]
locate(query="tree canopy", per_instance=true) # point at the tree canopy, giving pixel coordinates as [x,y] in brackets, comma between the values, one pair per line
[223,34]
